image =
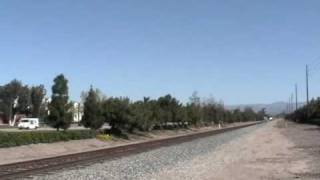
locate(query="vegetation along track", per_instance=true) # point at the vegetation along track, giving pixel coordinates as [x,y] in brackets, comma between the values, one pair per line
[42,166]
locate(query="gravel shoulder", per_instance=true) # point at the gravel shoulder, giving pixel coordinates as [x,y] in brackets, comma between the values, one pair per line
[39,151]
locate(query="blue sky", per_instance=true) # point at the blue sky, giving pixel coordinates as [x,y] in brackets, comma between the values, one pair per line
[239,51]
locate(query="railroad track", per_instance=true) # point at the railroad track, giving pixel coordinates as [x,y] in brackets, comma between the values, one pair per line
[48,165]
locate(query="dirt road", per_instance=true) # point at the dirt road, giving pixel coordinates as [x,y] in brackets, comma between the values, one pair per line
[279,150]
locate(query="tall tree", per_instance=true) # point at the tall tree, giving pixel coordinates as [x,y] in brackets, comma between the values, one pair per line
[60,115]
[195,99]
[261,114]
[10,92]
[237,115]
[169,110]
[144,115]
[92,117]
[249,114]
[193,114]
[117,113]
[193,109]
[37,95]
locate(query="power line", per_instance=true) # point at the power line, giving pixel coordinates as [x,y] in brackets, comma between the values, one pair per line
[314,65]
[316,60]
[311,68]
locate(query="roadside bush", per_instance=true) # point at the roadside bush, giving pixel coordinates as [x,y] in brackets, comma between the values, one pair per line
[10,139]
[104,137]
[309,114]
[116,112]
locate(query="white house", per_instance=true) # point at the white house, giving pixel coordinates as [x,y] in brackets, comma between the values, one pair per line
[77,111]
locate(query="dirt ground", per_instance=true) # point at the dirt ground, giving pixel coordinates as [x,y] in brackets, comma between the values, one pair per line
[280,150]
[38,151]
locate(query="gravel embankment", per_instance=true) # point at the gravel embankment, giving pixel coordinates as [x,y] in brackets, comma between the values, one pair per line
[141,166]
[41,151]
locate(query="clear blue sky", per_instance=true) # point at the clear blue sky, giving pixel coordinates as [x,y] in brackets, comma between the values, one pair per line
[240,51]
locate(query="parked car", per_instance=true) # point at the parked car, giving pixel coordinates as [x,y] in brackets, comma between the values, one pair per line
[29,123]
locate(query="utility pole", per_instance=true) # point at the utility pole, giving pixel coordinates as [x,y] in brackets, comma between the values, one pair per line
[307,83]
[288,107]
[292,106]
[296,90]
[307,89]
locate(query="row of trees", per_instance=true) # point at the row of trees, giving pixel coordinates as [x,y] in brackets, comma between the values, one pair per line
[308,113]
[164,112]
[18,98]
[121,113]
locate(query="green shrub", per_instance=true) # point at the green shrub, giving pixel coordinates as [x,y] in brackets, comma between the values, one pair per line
[104,137]
[10,139]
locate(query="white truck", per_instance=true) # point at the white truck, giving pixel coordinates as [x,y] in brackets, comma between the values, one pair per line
[29,123]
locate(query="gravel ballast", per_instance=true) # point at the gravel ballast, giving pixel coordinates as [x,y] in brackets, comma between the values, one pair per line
[143,165]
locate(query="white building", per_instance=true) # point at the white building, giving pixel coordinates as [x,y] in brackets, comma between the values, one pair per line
[77,111]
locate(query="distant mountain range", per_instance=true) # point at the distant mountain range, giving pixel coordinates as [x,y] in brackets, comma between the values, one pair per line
[271,109]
